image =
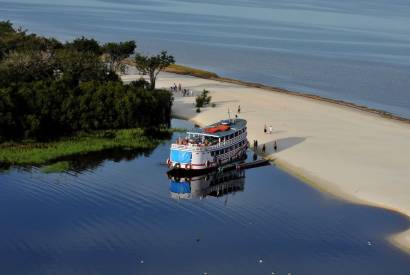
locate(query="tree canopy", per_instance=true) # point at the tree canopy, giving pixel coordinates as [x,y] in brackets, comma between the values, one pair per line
[153,65]
[116,52]
[49,89]
[86,45]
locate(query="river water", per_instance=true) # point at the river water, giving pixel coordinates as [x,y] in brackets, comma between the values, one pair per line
[121,214]
[354,50]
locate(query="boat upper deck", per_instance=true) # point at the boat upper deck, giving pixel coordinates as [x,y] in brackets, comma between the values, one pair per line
[234,126]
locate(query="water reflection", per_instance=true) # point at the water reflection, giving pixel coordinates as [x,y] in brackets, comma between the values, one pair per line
[121,219]
[94,160]
[215,184]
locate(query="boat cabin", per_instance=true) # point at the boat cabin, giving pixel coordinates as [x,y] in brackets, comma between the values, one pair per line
[213,134]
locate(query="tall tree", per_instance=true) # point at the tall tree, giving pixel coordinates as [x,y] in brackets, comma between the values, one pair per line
[116,52]
[153,65]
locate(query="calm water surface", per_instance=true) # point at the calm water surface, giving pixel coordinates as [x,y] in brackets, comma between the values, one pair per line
[124,216]
[355,50]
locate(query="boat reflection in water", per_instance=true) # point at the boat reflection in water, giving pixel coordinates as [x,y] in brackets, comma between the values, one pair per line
[215,184]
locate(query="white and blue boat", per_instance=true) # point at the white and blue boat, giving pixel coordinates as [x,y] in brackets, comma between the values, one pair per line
[210,147]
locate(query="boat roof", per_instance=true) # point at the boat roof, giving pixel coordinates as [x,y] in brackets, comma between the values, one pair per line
[235,125]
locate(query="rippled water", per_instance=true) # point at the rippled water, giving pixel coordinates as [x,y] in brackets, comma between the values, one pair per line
[354,50]
[124,216]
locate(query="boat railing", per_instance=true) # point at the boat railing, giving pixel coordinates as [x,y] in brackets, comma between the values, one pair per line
[201,147]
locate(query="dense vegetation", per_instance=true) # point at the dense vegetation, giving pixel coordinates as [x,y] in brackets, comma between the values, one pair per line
[50,89]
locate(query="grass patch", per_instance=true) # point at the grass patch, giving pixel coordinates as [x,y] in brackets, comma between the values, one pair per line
[28,153]
[185,70]
[57,167]
[180,69]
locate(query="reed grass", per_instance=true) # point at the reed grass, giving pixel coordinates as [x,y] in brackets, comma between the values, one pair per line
[57,167]
[37,153]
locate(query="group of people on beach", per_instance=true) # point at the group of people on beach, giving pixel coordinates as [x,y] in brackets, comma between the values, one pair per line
[256,148]
[184,92]
[265,129]
[263,149]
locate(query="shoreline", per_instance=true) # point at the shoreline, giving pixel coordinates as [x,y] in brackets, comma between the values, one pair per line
[183,70]
[349,153]
[401,239]
[189,71]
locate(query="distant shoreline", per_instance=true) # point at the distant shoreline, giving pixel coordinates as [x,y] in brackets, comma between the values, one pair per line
[185,70]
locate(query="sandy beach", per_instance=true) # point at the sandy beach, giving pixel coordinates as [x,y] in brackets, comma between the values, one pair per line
[345,152]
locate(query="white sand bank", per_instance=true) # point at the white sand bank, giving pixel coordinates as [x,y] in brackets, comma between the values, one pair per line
[349,153]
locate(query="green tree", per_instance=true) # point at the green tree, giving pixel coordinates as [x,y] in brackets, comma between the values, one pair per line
[25,66]
[76,67]
[153,65]
[85,45]
[117,52]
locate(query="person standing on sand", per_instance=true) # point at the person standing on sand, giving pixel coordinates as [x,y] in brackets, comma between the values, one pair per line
[179,87]
[255,156]
[239,109]
[264,129]
[275,146]
[270,129]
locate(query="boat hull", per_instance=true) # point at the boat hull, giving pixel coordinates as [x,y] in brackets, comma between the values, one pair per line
[182,172]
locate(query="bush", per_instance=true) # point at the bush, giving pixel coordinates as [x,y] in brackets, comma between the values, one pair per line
[203,99]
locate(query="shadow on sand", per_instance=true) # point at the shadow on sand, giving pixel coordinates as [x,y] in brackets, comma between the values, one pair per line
[282,144]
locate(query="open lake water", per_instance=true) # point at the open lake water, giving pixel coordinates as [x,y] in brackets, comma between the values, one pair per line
[353,50]
[121,214]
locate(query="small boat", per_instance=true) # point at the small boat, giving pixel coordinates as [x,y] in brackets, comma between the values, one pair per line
[211,147]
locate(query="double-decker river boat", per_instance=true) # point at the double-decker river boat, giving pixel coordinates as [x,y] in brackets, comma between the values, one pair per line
[210,147]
